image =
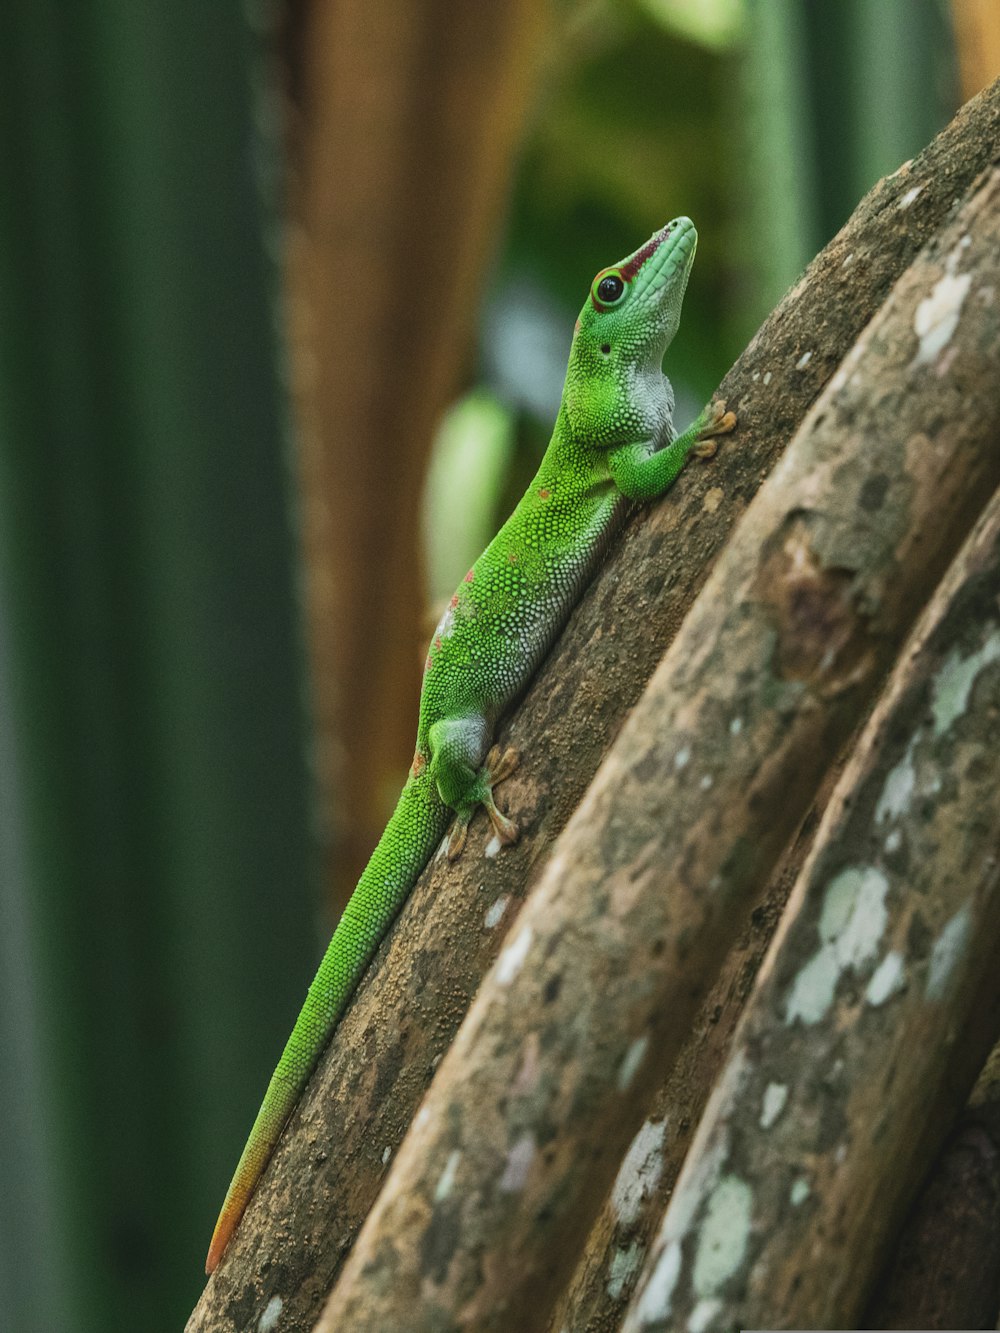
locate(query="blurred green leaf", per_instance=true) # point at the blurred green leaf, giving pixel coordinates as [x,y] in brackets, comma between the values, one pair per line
[470,458]
[714,23]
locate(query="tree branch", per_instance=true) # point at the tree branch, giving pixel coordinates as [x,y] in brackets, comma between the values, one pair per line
[878,1001]
[609,1267]
[945,1269]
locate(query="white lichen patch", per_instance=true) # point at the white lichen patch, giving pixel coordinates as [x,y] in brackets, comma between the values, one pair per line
[681,758]
[887,979]
[446,1180]
[623,1269]
[767,377]
[854,914]
[893,842]
[775,1097]
[937,316]
[909,197]
[714,496]
[706,783]
[900,784]
[268,1321]
[954,681]
[851,923]
[813,989]
[492,847]
[517,1164]
[703,1314]
[639,1173]
[803,361]
[736,726]
[799,1192]
[658,1293]
[512,957]
[692,1189]
[725,1234]
[495,911]
[947,953]
[848,260]
[632,1062]
[386,1154]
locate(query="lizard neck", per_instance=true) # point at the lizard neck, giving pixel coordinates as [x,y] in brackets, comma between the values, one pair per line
[613,398]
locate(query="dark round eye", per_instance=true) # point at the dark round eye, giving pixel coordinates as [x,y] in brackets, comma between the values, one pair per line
[609,289]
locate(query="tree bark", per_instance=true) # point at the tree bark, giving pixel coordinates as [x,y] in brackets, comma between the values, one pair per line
[609,1267]
[879,998]
[550,1075]
[945,1269]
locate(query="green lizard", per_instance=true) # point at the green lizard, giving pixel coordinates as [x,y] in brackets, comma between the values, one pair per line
[613,443]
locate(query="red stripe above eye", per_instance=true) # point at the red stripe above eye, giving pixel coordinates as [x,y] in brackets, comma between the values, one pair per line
[630,269]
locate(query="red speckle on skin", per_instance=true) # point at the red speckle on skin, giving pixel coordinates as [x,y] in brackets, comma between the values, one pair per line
[437,641]
[544,494]
[512,557]
[428,664]
[454,601]
[577,327]
[419,764]
[470,576]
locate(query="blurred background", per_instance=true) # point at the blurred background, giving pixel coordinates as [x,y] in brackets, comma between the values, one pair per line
[286,292]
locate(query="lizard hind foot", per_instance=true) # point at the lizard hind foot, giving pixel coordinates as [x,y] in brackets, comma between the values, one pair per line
[497,769]
[500,766]
[455,845]
[505,829]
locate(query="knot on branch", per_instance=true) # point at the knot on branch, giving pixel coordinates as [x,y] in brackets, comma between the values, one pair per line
[823,636]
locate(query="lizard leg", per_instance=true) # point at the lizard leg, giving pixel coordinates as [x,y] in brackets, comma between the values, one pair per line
[643,476]
[464,781]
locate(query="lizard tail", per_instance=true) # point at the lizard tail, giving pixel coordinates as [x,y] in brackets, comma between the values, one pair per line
[416,826]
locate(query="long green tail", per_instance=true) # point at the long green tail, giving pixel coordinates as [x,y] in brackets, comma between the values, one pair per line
[415,828]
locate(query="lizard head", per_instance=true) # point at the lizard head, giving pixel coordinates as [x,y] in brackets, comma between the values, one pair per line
[627,323]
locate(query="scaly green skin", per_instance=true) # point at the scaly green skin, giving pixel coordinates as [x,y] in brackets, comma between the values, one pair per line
[613,443]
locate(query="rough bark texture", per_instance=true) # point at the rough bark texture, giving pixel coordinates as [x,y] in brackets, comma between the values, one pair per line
[877,1002]
[333,1157]
[944,1272]
[596,1299]
[411,117]
[549,1076]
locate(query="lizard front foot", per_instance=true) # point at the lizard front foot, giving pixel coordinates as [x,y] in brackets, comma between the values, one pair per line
[718,421]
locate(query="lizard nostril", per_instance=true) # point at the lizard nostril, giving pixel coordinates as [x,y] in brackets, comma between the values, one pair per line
[605,348]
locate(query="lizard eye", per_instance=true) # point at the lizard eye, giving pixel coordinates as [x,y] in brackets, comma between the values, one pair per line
[609,289]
